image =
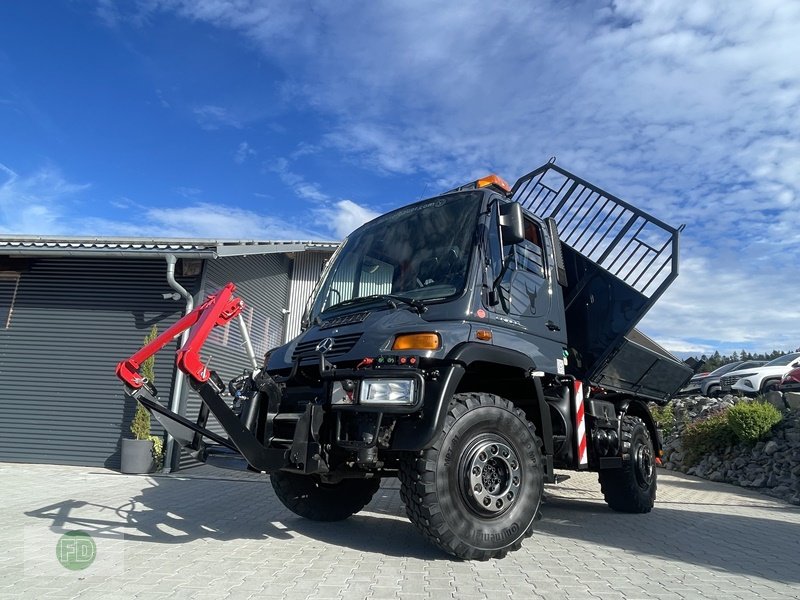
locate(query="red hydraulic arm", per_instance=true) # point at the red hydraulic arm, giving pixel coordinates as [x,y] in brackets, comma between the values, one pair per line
[218,309]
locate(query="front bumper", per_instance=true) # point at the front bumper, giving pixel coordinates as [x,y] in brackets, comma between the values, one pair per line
[746,385]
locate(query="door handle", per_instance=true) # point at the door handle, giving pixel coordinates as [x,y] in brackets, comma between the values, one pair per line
[552,326]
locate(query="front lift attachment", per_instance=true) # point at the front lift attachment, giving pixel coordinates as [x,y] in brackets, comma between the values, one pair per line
[242,429]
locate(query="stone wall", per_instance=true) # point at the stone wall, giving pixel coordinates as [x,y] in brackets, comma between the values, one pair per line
[771,466]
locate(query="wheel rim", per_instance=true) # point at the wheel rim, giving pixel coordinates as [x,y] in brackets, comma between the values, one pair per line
[492,476]
[645,466]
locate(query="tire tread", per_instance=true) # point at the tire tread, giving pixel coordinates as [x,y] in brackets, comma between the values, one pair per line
[418,482]
[619,486]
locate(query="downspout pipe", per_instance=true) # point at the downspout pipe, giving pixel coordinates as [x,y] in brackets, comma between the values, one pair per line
[180,378]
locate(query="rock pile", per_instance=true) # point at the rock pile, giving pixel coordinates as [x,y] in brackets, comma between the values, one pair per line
[771,466]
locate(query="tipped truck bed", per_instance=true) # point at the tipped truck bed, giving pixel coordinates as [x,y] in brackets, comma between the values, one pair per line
[619,260]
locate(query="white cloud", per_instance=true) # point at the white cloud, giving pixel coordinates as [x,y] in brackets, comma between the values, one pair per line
[243,152]
[211,117]
[742,306]
[36,203]
[188,191]
[304,189]
[344,216]
[44,203]
[204,220]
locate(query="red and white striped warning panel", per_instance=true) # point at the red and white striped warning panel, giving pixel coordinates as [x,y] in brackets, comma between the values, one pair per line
[580,425]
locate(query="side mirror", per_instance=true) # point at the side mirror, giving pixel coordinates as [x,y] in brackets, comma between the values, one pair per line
[512,223]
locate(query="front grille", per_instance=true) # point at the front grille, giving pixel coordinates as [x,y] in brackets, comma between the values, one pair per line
[727,381]
[342,344]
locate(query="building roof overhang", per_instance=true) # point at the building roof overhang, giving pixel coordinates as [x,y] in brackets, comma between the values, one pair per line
[152,248]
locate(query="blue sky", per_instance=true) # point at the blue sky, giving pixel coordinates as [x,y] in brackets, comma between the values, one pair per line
[286,120]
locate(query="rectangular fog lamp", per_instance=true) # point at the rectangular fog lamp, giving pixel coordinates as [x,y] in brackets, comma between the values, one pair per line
[387,391]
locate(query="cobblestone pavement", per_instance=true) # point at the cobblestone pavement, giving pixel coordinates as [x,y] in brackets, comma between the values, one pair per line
[205,534]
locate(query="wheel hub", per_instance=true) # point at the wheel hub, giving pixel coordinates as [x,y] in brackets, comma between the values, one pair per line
[644,465]
[493,476]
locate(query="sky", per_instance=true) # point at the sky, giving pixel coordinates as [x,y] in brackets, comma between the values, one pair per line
[239,119]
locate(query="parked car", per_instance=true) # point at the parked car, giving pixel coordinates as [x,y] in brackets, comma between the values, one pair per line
[765,378]
[710,385]
[693,385]
[790,381]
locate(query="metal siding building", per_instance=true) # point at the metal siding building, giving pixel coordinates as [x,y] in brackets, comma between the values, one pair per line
[263,282]
[305,273]
[70,309]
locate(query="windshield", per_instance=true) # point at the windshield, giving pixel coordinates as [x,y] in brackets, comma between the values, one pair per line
[420,252]
[783,361]
[725,368]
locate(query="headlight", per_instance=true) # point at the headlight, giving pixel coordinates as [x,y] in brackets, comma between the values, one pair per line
[387,391]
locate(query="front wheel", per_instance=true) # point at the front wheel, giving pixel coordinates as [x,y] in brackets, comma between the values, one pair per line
[632,488]
[770,385]
[476,491]
[309,497]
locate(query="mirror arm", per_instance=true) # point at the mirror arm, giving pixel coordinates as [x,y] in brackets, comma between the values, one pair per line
[506,263]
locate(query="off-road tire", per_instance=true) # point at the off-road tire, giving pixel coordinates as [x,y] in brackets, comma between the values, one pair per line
[307,496]
[439,484]
[632,488]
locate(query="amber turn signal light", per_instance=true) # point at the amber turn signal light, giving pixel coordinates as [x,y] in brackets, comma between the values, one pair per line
[483,334]
[417,341]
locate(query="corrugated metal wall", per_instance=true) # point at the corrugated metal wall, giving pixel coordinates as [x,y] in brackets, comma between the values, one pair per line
[262,281]
[73,319]
[305,273]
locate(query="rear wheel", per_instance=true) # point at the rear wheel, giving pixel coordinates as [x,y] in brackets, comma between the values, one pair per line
[309,497]
[476,491]
[632,488]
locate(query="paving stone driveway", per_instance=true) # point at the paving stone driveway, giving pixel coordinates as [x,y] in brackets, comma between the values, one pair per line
[209,535]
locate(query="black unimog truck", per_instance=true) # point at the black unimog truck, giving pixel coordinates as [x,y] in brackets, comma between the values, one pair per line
[469,344]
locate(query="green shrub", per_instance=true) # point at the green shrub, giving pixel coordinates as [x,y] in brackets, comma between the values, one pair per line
[706,436]
[664,416]
[752,421]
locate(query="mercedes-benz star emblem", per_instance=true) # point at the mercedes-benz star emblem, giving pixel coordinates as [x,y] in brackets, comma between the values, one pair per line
[325,345]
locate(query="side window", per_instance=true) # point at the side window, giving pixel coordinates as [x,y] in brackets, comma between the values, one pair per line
[524,290]
[529,255]
[9,283]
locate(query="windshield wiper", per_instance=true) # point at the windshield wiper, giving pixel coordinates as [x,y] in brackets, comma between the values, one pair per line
[390,299]
[418,304]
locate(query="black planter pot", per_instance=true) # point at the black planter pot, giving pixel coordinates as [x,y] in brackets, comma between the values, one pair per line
[137,456]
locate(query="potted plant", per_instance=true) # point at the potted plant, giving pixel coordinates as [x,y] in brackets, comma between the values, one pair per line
[144,453]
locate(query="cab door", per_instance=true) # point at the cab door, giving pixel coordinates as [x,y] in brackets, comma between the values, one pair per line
[527,298]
